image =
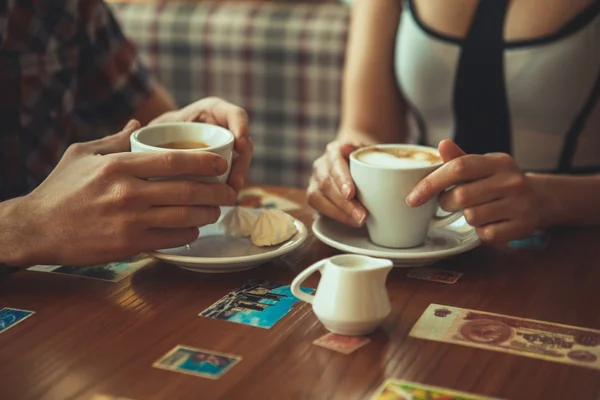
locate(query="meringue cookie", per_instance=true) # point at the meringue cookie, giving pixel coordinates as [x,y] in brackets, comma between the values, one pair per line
[273,227]
[239,222]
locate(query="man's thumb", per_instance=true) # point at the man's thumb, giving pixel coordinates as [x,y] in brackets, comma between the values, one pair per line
[117,143]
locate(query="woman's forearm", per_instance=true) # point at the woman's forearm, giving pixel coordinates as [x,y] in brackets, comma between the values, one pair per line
[567,200]
[373,110]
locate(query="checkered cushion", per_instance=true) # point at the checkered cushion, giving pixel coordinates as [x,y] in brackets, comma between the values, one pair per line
[281,62]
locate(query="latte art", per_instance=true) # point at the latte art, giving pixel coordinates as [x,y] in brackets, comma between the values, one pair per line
[400,157]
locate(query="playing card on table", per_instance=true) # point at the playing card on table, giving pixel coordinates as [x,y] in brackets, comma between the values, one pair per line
[204,363]
[526,337]
[393,389]
[257,303]
[341,344]
[434,275]
[9,317]
[111,272]
[259,198]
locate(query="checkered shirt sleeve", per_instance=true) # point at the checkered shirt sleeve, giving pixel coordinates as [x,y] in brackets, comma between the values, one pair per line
[112,81]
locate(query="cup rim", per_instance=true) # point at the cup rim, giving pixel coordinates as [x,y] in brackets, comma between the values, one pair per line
[354,159]
[230,139]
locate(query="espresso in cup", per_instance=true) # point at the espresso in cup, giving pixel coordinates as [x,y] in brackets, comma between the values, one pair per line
[184,145]
[384,175]
[186,136]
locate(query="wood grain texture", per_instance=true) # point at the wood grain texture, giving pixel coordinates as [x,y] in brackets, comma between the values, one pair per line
[90,337]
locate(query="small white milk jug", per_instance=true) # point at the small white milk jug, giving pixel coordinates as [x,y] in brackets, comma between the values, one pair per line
[351,298]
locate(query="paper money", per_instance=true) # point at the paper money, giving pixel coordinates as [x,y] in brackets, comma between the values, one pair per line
[544,340]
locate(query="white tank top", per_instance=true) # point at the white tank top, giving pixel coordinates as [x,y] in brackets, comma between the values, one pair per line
[547,97]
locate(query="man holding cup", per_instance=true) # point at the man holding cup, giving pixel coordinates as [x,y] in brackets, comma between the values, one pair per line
[60,83]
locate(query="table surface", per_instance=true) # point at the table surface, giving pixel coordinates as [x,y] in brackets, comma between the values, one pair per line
[92,337]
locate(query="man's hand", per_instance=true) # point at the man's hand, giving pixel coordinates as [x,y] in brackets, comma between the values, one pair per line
[98,204]
[213,110]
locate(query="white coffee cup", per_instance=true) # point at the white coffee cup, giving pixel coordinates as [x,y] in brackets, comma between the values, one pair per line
[382,185]
[218,140]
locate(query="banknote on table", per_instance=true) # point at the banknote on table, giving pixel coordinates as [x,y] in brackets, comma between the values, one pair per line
[538,339]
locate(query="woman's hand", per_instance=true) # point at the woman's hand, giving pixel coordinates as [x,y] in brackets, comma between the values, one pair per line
[213,110]
[495,196]
[331,190]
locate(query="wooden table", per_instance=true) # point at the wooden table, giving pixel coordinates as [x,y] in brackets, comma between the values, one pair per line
[91,337]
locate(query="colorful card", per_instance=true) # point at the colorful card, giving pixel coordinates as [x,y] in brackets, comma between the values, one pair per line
[537,241]
[257,303]
[342,344]
[107,397]
[259,198]
[198,362]
[434,275]
[393,389]
[9,317]
[111,272]
[544,340]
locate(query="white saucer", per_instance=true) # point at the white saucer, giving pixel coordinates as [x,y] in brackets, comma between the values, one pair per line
[215,252]
[441,243]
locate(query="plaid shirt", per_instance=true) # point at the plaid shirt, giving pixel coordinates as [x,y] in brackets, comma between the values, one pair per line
[67,74]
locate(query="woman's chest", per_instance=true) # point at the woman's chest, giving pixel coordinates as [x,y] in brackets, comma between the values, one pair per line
[525,19]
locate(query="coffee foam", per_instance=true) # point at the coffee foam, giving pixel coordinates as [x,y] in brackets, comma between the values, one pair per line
[398,157]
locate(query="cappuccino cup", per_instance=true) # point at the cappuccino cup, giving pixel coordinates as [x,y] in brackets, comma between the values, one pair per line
[186,136]
[384,175]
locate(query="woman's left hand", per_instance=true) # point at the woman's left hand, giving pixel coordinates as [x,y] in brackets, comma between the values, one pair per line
[495,196]
[213,110]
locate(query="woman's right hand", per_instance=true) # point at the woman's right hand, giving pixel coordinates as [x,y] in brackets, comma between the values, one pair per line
[331,190]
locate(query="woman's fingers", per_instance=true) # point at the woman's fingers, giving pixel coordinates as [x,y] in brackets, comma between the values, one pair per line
[318,201]
[458,171]
[483,191]
[504,231]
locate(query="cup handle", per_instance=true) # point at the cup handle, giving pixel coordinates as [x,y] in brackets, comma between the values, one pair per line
[299,280]
[439,222]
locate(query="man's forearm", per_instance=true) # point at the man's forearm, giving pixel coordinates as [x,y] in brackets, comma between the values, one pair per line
[158,103]
[567,200]
[13,233]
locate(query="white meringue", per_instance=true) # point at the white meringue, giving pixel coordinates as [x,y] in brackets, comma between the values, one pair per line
[239,222]
[273,227]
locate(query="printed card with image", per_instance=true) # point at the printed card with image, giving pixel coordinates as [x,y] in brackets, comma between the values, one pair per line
[110,272]
[9,317]
[107,397]
[393,389]
[526,337]
[257,303]
[259,198]
[434,275]
[341,344]
[198,362]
